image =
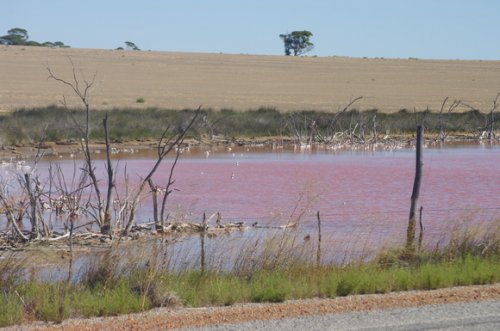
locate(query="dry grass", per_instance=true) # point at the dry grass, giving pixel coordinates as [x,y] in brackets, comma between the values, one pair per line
[241,82]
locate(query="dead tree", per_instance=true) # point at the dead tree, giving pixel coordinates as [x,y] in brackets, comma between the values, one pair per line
[488,130]
[164,147]
[491,127]
[35,234]
[121,203]
[71,193]
[9,208]
[410,235]
[330,132]
[168,189]
[106,222]
[25,201]
[301,127]
[441,122]
[375,135]
[103,215]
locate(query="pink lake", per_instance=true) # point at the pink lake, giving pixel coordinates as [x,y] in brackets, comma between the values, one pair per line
[360,195]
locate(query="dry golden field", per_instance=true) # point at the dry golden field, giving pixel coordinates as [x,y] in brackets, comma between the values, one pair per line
[241,82]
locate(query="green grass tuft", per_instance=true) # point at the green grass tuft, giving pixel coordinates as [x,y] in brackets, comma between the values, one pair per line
[12,310]
[102,301]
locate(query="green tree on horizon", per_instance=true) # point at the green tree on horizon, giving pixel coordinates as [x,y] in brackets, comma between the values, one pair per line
[16,36]
[132,46]
[298,42]
[19,36]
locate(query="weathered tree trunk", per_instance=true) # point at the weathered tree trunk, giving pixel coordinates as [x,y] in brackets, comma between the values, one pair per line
[154,191]
[106,224]
[491,134]
[33,204]
[410,235]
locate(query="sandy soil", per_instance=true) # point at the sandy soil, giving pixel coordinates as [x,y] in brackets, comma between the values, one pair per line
[167,319]
[180,80]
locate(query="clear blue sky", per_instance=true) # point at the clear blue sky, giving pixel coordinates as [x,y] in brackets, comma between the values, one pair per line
[440,29]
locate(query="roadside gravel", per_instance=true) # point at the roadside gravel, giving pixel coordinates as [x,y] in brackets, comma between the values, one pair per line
[168,319]
[481,315]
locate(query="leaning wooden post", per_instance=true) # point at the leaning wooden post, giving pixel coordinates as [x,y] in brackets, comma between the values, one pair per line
[318,252]
[202,243]
[410,234]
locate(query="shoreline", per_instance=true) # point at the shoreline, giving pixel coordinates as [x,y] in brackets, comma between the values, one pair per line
[71,149]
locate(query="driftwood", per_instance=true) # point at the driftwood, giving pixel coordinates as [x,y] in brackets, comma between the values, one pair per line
[8,241]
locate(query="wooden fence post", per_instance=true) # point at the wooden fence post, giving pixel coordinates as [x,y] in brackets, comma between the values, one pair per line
[318,252]
[202,243]
[410,233]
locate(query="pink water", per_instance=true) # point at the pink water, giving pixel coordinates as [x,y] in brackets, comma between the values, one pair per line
[358,194]
[363,197]
[346,186]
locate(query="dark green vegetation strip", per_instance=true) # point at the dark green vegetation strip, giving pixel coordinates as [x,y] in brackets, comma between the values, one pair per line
[56,124]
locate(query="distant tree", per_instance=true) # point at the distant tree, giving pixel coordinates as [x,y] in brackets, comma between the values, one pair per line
[298,42]
[132,46]
[32,43]
[19,36]
[16,36]
[19,33]
[60,44]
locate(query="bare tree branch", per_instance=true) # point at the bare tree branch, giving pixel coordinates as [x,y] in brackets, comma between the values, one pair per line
[164,147]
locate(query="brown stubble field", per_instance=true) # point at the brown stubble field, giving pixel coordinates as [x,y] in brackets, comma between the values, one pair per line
[241,82]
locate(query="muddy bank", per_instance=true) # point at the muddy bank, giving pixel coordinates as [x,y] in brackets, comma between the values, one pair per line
[122,148]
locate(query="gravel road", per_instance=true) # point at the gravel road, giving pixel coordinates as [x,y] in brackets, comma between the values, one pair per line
[455,316]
